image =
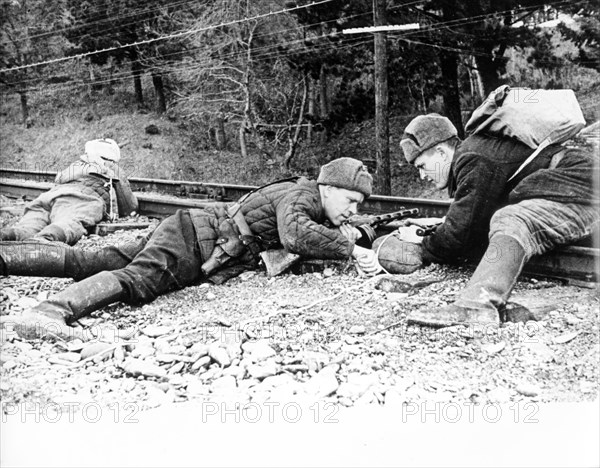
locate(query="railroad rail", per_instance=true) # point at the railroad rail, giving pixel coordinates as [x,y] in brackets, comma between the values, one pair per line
[159,198]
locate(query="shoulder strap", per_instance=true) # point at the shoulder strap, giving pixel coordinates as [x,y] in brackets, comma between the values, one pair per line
[530,158]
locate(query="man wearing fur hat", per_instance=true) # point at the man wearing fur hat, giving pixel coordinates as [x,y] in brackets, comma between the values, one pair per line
[89,190]
[553,201]
[218,242]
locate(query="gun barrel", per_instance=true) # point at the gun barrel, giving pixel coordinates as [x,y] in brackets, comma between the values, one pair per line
[389,217]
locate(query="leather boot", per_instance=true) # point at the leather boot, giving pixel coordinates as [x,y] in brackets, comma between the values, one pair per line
[484,298]
[31,258]
[53,317]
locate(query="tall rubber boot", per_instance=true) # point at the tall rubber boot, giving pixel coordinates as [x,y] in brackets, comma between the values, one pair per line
[55,259]
[54,233]
[31,258]
[51,318]
[485,296]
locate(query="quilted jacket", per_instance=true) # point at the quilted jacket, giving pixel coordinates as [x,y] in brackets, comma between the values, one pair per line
[479,184]
[284,214]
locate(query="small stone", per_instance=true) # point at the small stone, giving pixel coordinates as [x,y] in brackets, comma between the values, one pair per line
[154,331]
[219,355]
[357,330]
[493,348]
[236,371]
[328,272]
[143,350]
[138,367]
[247,275]
[68,356]
[52,360]
[201,349]
[565,338]
[26,302]
[210,296]
[258,350]
[98,349]
[527,389]
[203,361]
[168,357]
[178,367]
[324,383]
[223,384]
[570,319]
[8,365]
[75,345]
[260,371]
[119,354]
[356,385]
[224,322]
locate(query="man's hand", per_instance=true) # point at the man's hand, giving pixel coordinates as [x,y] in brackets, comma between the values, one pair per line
[366,260]
[409,234]
[350,233]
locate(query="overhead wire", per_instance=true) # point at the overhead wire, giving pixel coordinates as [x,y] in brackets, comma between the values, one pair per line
[258,56]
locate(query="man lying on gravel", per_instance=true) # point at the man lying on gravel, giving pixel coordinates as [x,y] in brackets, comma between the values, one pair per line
[196,245]
[552,202]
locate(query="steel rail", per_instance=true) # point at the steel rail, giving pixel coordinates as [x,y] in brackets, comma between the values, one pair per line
[576,264]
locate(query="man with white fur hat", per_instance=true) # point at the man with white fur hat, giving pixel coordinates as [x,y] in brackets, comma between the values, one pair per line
[88,191]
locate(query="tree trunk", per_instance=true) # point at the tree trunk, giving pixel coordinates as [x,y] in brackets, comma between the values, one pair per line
[159,88]
[311,109]
[449,67]
[293,140]
[323,103]
[242,138]
[488,72]
[136,70]
[220,135]
[24,107]
[383,179]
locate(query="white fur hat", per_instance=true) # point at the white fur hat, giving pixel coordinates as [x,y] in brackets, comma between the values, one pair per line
[104,148]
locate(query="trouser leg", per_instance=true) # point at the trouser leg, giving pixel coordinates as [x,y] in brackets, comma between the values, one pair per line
[170,260]
[70,217]
[517,232]
[35,218]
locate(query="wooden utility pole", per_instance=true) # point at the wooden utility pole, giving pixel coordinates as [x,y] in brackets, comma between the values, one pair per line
[383,179]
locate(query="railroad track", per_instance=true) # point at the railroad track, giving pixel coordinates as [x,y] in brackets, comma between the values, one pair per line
[159,198]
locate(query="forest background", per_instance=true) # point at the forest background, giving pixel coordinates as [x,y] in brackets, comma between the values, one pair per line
[248,91]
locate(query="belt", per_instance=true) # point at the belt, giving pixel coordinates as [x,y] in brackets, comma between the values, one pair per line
[248,239]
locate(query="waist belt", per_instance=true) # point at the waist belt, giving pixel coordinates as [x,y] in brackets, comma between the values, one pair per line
[251,241]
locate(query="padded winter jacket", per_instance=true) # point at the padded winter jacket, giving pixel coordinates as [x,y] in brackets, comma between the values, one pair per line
[286,214]
[478,182]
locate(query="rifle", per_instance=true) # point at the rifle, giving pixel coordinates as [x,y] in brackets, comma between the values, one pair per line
[278,260]
[368,224]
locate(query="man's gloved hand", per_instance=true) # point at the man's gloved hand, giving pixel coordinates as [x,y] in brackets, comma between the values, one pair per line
[366,260]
